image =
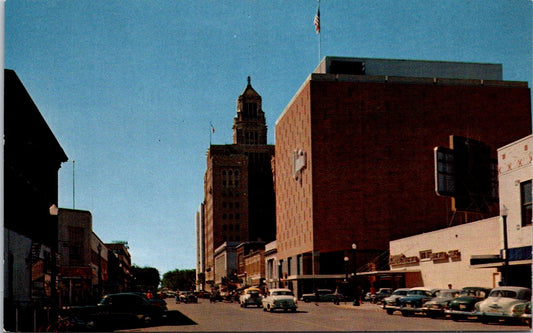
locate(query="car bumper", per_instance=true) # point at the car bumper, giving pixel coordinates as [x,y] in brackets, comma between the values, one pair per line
[497,315]
[411,309]
[460,313]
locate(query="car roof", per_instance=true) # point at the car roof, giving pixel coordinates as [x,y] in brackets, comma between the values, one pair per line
[280,289]
[424,288]
[511,288]
[252,289]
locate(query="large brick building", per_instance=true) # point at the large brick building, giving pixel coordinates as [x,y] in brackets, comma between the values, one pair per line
[239,202]
[354,156]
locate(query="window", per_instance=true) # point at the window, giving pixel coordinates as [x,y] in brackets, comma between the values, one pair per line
[425,255]
[525,201]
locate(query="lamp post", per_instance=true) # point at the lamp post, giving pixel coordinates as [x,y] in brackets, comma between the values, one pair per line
[503,212]
[356,300]
[346,259]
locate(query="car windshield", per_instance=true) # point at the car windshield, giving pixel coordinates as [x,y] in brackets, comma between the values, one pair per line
[400,292]
[281,293]
[474,292]
[503,293]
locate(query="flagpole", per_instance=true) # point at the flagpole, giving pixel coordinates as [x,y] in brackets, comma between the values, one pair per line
[317,29]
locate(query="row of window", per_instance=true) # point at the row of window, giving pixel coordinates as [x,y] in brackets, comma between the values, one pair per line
[230,193]
[230,173]
[230,216]
[230,205]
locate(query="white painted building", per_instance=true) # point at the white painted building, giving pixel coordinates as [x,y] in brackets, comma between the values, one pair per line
[473,254]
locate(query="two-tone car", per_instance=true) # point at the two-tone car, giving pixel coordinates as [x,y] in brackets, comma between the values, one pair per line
[436,307]
[463,306]
[503,303]
[279,299]
[251,296]
[392,303]
[415,299]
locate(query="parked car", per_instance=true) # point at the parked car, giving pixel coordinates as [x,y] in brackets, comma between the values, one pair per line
[187,297]
[280,298]
[251,296]
[324,295]
[116,310]
[414,301]
[503,303]
[462,306]
[380,295]
[392,303]
[436,307]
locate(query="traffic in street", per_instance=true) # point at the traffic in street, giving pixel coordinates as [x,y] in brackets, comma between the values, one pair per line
[309,316]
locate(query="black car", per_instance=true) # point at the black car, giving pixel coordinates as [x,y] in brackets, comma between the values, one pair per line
[123,309]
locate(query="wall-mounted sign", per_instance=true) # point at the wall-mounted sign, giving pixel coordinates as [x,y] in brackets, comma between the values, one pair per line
[437,256]
[401,259]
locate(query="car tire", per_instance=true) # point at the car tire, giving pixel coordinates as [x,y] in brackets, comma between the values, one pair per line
[293,310]
[456,317]
[484,320]
[405,313]
[390,311]
[264,309]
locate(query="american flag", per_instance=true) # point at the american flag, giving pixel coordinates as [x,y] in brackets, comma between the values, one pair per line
[317,20]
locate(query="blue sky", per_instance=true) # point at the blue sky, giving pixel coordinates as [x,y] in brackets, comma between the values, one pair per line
[130,87]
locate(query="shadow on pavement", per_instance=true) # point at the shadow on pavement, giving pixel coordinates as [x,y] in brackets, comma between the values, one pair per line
[175,317]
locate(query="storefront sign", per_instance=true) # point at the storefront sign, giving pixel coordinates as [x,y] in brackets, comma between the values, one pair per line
[401,259]
[455,255]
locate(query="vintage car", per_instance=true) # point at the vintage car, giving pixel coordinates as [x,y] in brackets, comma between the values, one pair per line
[380,295]
[503,303]
[391,303]
[435,307]
[462,306]
[282,299]
[251,296]
[414,301]
[118,311]
[324,295]
[187,297]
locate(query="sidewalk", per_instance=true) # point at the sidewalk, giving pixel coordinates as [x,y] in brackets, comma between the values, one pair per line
[365,306]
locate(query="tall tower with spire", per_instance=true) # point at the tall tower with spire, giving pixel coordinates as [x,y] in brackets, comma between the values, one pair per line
[239,201]
[249,126]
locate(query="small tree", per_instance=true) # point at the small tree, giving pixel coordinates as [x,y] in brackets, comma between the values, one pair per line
[145,278]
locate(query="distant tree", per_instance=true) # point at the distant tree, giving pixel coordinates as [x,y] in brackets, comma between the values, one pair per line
[179,279]
[145,278]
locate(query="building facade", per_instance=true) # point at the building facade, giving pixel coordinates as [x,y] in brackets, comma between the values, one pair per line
[354,157]
[32,158]
[200,251]
[473,254]
[239,202]
[119,267]
[83,259]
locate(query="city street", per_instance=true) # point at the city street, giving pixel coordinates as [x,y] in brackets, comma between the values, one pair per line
[230,317]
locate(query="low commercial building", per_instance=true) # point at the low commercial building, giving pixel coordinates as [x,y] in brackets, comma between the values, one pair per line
[354,162]
[486,253]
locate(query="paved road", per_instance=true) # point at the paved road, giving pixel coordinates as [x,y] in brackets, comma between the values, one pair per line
[229,317]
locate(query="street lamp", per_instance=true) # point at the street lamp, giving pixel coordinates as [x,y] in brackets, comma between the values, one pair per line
[503,212]
[356,300]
